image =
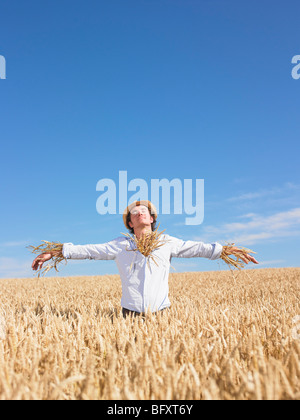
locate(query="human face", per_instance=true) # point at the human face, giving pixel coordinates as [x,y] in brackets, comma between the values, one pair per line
[140,216]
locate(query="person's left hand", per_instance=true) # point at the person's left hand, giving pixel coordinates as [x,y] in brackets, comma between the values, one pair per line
[237,252]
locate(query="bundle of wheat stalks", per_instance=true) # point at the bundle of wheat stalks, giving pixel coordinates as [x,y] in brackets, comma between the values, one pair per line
[237,252]
[148,243]
[54,248]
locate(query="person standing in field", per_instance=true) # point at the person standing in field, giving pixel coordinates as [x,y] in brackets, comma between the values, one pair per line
[143,259]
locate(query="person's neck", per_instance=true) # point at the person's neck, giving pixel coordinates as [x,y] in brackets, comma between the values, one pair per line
[145,230]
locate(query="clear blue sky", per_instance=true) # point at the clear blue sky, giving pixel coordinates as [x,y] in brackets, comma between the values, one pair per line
[161,89]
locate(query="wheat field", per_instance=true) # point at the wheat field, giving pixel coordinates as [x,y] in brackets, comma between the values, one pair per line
[227,336]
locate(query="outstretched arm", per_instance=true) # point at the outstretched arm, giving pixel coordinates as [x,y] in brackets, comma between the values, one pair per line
[192,249]
[61,252]
[189,249]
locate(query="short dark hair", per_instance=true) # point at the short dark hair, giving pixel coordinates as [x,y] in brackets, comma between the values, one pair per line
[131,230]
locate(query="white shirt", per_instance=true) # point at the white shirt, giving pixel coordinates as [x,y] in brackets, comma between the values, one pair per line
[144,284]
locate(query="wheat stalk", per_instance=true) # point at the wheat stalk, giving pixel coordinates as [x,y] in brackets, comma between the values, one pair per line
[147,243]
[235,261]
[54,248]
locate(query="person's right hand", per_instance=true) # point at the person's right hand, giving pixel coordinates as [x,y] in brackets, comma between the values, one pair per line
[40,260]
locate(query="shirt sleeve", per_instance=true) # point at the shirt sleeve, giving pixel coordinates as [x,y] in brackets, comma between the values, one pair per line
[191,249]
[105,251]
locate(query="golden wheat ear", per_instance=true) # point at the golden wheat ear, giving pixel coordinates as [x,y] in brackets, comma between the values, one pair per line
[147,243]
[236,260]
[54,248]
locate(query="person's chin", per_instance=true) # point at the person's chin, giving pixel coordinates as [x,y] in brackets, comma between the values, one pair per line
[143,224]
